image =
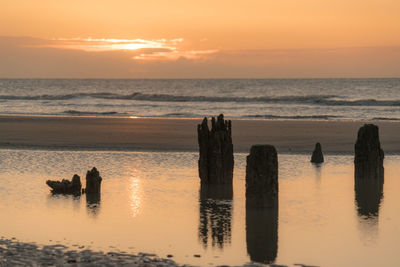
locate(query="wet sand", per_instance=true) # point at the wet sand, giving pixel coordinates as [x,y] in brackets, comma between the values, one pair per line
[14,253]
[161,134]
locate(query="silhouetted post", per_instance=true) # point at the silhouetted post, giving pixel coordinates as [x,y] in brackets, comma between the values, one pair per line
[93,181]
[262,203]
[368,160]
[216,151]
[317,156]
[66,186]
[368,174]
[262,176]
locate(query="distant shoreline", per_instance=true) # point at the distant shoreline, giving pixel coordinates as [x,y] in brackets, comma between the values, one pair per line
[180,134]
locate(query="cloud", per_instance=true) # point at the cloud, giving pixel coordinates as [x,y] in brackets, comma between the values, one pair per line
[140,49]
[40,58]
[99,45]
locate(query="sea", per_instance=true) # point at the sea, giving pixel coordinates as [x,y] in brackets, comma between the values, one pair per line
[314,99]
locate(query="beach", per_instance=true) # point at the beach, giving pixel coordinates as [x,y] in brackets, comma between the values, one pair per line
[172,134]
[152,202]
[200,133]
[13,253]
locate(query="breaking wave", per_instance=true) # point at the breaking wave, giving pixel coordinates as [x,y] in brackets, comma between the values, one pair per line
[315,117]
[89,113]
[329,100]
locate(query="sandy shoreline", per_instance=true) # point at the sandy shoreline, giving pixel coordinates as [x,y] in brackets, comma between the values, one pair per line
[14,253]
[161,134]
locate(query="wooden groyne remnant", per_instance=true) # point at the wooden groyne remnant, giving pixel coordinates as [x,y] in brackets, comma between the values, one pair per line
[262,203]
[93,181]
[317,156]
[368,159]
[262,176]
[216,151]
[368,171]
[93,184]
[65,186]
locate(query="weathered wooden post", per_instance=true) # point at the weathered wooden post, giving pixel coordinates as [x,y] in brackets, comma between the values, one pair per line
[368,159]
[65,186]
[216,151]
[317,156]
[93,181]
[368,171]
[262,203]
[262,176]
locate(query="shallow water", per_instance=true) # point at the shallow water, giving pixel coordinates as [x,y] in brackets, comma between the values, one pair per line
[152,202]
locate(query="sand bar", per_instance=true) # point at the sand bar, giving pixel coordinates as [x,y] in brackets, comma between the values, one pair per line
[161,134]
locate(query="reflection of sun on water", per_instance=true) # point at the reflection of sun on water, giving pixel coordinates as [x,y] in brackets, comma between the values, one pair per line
[135,195]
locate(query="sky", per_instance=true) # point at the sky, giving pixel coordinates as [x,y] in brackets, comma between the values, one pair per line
[199,39]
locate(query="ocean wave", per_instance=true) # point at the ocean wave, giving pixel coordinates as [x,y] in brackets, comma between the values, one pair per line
[169,97]
[296,117]
[361,102]
[385,119]
[77,112]
[329,100]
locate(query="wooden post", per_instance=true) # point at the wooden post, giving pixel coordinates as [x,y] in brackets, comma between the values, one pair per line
[216,151]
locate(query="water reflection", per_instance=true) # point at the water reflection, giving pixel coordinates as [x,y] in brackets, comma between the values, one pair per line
[54,201]
[318,170]
[262,233]
[368,196]
[135,197]
[215,214]
[93,204]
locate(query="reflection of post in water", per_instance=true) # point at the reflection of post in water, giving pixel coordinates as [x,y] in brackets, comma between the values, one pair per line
[368,196]
[262,233]
[93,204]
[262,203]
[215,214]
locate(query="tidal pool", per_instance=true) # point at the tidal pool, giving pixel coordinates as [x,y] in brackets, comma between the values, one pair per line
[152,202]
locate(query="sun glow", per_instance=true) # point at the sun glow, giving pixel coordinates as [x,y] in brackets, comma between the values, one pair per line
[148,50]
[135,197]
[102,44]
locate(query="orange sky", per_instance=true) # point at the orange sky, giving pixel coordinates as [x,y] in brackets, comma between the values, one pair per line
[211,35]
